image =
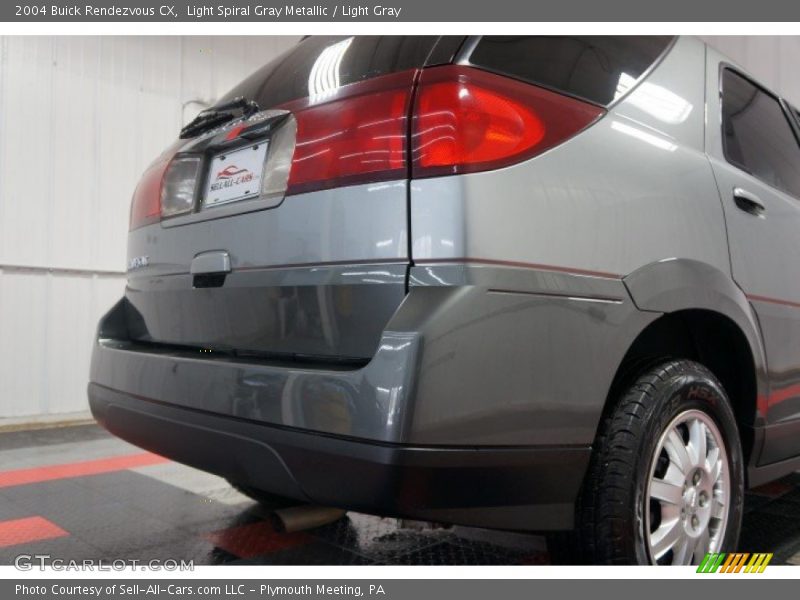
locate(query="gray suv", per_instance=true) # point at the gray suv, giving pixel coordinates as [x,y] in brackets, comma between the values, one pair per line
[530,283]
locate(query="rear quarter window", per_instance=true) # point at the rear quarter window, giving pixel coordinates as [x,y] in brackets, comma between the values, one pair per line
[594,68]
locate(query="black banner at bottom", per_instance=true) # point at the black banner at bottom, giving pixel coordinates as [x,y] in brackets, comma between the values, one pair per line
[725,586]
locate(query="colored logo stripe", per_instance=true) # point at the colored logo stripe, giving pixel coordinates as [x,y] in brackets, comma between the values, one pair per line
[734,562]
[78,469]
[29,529]
[711,563]
[758,563]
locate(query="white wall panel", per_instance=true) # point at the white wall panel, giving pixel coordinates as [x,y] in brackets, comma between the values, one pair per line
[68,317]
[26,147]
[73,135]
[23,342]
[80,118]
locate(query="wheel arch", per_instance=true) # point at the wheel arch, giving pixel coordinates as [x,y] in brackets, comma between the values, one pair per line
[706,317]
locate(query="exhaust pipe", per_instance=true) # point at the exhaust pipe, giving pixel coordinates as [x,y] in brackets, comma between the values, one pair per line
[303,517]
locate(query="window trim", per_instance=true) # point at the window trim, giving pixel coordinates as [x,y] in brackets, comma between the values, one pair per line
[792,120]
[469,45]
[794,117]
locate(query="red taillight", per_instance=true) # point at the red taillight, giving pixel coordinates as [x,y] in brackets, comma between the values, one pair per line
[354,134]
[468,120]
[146,203]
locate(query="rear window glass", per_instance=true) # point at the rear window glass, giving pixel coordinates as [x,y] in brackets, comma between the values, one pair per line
[595,68]
[757,136]
[320,64]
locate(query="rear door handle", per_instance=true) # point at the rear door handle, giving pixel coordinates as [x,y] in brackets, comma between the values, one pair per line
[748,202]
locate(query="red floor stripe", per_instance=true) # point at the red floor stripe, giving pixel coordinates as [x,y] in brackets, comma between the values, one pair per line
[255,539]
[29,529]
[77,469]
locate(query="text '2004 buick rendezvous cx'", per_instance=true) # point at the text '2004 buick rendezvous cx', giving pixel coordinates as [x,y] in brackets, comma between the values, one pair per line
[527,283]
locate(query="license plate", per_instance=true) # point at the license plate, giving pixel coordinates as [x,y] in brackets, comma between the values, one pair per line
[235,175]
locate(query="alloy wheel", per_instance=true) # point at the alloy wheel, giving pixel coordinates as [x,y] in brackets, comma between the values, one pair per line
[688,491]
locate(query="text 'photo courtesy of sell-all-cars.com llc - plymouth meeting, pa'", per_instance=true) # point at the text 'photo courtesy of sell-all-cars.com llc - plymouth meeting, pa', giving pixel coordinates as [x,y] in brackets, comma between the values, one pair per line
[520,283]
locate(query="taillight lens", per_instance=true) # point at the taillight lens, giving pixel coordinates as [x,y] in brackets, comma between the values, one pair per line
[166,189]
[178,185]
[146,203]
[468,120]
[354,134]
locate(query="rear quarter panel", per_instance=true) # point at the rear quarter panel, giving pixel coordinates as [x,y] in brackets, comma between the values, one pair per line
[632,189]
[556,235]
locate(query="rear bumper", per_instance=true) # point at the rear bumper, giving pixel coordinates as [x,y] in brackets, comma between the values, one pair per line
[508,488]
[479,406]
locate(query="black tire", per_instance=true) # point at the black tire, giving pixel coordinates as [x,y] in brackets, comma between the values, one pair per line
[264,498]
[610,512]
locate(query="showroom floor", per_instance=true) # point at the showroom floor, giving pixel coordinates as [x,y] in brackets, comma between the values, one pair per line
[78,493]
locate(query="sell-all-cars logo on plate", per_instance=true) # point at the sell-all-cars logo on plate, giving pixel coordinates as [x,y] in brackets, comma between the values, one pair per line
[231,176]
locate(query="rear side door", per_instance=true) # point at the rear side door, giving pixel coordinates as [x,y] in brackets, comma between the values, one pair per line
[753,146]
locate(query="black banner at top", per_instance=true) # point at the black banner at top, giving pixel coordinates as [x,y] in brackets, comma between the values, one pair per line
[399,11]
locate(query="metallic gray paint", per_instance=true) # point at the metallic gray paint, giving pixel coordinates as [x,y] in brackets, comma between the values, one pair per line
[334,311]
[320,274]
[364,223]
[364,403]
[497,351]
[492,368]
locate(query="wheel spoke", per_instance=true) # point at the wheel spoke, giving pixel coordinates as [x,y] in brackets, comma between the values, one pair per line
[701,547]
[697,442]
[681,553]
[676,450]
[664,538]
[713,464]
[674,475]
[665,491]
[718,506]
[670,512]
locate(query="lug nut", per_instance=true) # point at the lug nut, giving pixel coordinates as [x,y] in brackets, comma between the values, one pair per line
[696,478]
[695,522]
[703,499]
